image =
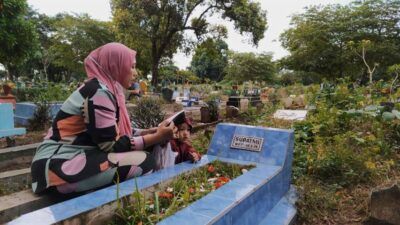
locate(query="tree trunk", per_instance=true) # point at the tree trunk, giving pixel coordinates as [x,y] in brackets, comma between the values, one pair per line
[154,71]
[11,70]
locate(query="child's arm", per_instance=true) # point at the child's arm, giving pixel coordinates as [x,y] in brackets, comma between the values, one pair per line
[191,153]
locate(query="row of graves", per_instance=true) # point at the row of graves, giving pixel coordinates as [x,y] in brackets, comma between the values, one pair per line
[261,194]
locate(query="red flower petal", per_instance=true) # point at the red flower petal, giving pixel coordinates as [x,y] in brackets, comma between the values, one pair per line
[211,169]
[218,185]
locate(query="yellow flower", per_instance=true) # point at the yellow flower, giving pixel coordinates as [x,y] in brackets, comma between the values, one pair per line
[370,165]
[371,137]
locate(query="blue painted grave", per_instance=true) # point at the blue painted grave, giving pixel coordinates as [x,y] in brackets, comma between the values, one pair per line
[25,110]
[259,196]
[7,128]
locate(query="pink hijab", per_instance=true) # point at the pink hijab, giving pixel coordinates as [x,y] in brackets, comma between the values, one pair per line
[111,64]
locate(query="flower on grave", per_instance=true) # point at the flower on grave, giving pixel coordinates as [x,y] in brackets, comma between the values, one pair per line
[166,195]
[211,169]
[218,184]
[217,175]
[244,170]
[170,189]
[191,190]
[223,180]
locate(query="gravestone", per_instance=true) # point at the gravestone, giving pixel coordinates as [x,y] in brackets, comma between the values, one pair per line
[290,114]
[231,111]
[167,94]
[7,128]
[385,205]
[25,111]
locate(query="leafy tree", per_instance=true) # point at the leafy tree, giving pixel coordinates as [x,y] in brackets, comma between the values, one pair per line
[75,36]
[18,38]
[361,50]
[394,69]
[156,28]
[250,66]
[318,38]
[210,59]
[187,76]
[168,72]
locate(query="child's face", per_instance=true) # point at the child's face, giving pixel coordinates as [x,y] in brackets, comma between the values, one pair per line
[183,132]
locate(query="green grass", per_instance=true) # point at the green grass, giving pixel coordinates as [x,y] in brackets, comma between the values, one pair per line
[182,191]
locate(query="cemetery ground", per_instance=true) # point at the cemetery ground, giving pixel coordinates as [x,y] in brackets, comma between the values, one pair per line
[348,145]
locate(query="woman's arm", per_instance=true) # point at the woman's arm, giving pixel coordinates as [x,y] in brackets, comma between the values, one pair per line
[163,133]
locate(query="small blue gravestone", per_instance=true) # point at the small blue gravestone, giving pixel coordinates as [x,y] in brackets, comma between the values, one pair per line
[25,111]
[7,128]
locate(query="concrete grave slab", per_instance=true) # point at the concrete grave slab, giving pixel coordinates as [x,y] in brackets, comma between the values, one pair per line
[251,198]
[290,114]
[7,128]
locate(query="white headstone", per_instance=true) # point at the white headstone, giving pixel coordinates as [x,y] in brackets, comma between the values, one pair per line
[290,114]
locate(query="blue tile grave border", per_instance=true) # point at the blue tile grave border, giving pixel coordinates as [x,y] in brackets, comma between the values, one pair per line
[248,199]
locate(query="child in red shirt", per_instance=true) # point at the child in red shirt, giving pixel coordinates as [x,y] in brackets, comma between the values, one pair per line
[181,144]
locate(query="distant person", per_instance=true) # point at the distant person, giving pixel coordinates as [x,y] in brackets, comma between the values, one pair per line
[143,86]
[91,142]
[134,89]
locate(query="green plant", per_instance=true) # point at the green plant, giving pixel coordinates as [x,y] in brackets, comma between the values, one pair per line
[178,194]
[213,109]
[41,117]
[148,113]
[201,141]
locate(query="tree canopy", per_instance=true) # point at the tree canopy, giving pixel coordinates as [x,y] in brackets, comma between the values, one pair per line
[18,38]
[156,28]
[319,39]
[210,59]
[249,66]
[65,41]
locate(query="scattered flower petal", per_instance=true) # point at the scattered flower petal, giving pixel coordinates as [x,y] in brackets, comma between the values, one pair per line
[211,169]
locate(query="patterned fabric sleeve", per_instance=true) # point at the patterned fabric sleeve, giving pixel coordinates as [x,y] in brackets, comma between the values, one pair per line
[100,116]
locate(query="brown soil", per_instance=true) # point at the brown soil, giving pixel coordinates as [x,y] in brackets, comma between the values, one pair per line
[18,166]
[29,138]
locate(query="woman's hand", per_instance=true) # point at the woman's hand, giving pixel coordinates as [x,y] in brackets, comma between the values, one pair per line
[165,131]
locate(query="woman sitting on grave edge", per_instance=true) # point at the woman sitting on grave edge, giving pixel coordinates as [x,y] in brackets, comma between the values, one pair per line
[91,143]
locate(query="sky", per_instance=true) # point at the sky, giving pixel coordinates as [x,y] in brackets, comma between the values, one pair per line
[278,16]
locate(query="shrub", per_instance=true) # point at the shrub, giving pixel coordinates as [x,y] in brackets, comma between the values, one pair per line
[148,113]
[40,118]
[213,109]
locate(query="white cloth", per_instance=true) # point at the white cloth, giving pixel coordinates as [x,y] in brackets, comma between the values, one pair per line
[164,156]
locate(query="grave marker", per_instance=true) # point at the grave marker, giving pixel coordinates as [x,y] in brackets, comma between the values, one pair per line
[7,128]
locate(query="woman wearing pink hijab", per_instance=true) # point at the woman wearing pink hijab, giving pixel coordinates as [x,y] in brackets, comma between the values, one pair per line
[90,143]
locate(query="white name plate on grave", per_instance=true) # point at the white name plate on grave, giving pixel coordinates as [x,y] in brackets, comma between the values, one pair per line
[247,143]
